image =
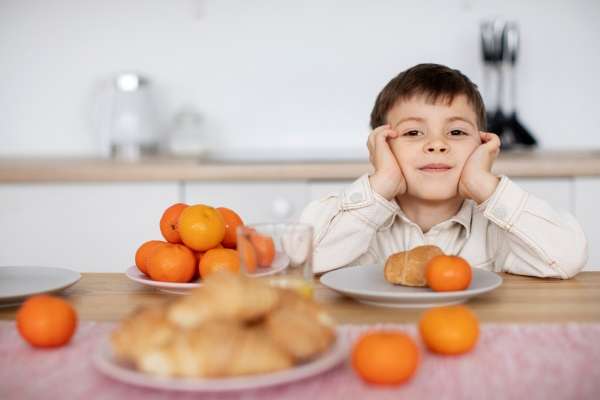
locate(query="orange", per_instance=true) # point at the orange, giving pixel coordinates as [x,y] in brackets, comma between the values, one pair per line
[449,330]
[264,247]
[219,259]
[143,253]
[247,254]
[201,227]
[46,321]
[385,357]
[232,221]
[199,254]
[446,273]
[172,263]
[169,222]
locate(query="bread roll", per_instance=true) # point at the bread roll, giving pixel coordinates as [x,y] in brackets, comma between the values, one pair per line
[408,267]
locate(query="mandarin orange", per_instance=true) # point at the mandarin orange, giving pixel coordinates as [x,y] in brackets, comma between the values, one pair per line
[449,330]
[232,221]
[46,321]
[172,263]
[169,222]
[448,273]
[201,227]
[385,357]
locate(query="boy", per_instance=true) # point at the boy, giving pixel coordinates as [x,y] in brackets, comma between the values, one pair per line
[432,184]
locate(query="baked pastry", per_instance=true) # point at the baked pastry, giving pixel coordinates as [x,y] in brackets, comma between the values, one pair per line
[408,267]
[218,349]
[224,296]
[232,325]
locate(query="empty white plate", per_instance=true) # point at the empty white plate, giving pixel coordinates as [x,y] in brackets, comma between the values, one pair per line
[18,283]
[280,262]
[109,365]
[368,285]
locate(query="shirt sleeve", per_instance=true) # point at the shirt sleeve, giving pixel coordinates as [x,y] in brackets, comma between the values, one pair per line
[345,224]
[530,237]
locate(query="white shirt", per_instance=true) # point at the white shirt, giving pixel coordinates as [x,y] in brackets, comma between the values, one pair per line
[512,231]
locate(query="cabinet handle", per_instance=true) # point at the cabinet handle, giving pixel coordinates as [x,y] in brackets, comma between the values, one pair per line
[282,208]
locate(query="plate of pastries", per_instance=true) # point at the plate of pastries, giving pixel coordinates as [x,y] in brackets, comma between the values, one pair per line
[402,280]
[233,333]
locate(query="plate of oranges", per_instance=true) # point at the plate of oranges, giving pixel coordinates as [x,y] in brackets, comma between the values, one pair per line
[198,240]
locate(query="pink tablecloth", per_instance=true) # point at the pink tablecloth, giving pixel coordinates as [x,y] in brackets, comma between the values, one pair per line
[510,362]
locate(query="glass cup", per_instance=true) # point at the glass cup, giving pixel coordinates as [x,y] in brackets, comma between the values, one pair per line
[280,253]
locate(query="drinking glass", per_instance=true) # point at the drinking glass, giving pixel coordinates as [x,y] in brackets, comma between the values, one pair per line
[280,253]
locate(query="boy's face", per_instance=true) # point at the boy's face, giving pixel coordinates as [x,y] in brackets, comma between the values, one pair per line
[434,142]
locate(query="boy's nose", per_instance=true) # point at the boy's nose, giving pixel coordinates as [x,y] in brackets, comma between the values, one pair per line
[437,146]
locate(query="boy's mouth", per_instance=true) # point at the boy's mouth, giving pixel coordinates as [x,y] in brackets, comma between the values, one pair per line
[435,168]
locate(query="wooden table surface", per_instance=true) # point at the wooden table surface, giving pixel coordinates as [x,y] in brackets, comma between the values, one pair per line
[111,296]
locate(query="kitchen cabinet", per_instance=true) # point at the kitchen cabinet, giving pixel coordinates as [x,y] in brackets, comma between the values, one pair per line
[98,226]
[81,226]
[254,201]
[587,193]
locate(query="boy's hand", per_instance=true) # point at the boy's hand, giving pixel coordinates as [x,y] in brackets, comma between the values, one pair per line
[388,180]
[476,180]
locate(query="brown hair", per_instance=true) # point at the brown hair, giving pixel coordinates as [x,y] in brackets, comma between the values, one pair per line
[435,81]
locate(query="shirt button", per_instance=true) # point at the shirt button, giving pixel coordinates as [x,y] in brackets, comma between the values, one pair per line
[356,197]
[500,212]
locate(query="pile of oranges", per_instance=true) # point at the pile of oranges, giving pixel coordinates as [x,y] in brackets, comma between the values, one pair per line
[199,240]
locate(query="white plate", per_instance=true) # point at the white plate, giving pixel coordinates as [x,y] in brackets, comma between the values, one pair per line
[109,365]
[368,285]
[280,262]
[18,283]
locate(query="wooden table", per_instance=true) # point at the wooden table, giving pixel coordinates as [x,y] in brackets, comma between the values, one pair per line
[111,296]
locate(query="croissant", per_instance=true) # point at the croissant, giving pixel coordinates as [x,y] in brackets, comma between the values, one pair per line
[408,267]
[225,296]
[300,327]
[144,330]
[217,349]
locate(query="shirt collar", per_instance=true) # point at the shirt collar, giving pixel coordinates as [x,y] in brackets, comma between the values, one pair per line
[463,216]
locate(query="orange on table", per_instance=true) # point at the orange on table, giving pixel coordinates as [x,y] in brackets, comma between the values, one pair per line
[217,260]
[446,273]
[201,227]
[385,357]
[169,222]
[172,263]
[247,254]
[144,252]
[449,330]
[264,247]
[46,321]
[232,221]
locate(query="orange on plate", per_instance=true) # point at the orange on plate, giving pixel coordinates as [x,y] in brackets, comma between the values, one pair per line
[449,330]
[232,221]
[264,247]
[385,357]
[46,321]
[169,222]
[172,263]
[201,227]
[448,273]
[217,260]
[143,253]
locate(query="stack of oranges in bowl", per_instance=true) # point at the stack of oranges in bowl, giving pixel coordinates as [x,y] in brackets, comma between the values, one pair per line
[199,240]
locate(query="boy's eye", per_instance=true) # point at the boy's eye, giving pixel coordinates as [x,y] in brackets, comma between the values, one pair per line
[457,132]
[412,133]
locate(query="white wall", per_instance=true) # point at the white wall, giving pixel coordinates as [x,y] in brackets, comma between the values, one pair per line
[268,73]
